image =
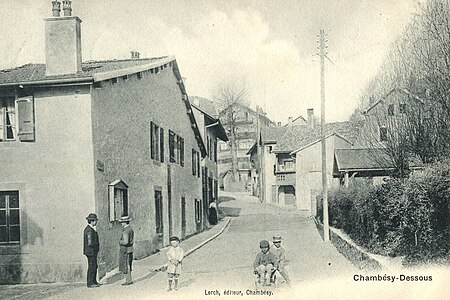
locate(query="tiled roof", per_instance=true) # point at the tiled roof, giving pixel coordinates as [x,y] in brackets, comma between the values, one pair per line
[36,72]
[205,105]
[362,159]
[299,136]
[272,134]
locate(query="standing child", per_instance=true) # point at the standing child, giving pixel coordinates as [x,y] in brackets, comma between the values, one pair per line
[175,256]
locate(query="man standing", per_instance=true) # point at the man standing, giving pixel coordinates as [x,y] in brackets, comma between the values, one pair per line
[90,249]
[126,249]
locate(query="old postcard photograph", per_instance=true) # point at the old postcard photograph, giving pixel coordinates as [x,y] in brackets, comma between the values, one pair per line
[224,149]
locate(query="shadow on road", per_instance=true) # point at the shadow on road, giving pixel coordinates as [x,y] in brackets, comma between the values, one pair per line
[230,211]
[225,199]
[186,283]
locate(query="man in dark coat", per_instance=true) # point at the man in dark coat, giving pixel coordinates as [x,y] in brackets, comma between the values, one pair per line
[126,249]
[90,249]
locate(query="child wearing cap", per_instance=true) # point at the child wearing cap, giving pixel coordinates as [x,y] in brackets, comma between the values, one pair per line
[280,253]
[175,256]
[265,262]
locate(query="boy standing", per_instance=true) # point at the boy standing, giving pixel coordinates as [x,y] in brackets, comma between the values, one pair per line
[265,262]
[175,255]
[280,253]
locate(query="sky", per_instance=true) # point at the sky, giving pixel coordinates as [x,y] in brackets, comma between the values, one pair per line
[270,45]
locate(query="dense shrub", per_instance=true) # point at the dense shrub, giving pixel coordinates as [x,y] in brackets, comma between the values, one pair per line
[402,217]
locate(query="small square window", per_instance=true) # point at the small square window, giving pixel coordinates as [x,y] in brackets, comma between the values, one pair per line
[402,108]
[383,134]
[391,110]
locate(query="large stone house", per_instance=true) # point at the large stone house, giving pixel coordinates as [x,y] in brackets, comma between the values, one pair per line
[386,123]
[112,137]
[245,120]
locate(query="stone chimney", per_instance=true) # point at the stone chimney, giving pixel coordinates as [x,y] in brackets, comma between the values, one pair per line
[62,41]
[135,55]
[56,8]
[310,117]
[67,8]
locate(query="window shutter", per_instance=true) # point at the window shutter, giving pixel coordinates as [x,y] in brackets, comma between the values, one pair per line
[25,107]
[161,141]
[182,152]
[152,140]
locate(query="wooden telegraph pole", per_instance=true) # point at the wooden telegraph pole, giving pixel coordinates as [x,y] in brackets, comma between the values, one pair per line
[258,155]
[326,234]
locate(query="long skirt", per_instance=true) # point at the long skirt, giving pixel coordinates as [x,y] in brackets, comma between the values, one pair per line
[212,216]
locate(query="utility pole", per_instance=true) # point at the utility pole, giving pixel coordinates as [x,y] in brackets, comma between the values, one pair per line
[326,234]
[258,155]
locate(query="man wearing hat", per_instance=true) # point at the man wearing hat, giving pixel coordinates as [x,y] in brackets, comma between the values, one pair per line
[280,253]
[91,247]
[126,249]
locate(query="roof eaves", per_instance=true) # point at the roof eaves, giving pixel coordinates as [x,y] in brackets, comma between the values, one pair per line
[189,110]
[131,70]
[87,79]
[310,144]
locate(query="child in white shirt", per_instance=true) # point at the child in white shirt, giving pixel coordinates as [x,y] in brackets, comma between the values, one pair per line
[175,255]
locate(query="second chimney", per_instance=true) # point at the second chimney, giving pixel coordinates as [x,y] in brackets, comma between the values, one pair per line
[62,41]
[310,117]
[135,54]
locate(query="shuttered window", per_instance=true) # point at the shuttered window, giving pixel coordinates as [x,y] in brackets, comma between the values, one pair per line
[21,110]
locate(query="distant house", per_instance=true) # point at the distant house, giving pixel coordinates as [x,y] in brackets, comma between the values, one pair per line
[212,131]
[112,137]
[245,137]
[264,174]
[292,163]
[384,117]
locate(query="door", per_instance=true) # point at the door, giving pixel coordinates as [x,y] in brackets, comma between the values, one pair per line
[159,221]
[169,198]
[183,217]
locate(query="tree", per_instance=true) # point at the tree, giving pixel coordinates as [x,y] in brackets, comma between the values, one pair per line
[231,96]
[419,63]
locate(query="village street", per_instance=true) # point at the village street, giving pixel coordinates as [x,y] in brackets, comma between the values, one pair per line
[317,269]
[225,263]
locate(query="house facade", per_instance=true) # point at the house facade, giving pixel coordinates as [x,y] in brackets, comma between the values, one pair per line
[246,124]
[111,137]
[211,131]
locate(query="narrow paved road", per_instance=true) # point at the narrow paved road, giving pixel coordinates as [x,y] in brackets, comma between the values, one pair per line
[317,270]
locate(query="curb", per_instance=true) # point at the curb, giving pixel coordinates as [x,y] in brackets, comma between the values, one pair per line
[353,252]
[161,267]
[190,251]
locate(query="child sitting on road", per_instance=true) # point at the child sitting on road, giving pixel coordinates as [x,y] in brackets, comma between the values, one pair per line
[175,255]
[265,263]
[280,253]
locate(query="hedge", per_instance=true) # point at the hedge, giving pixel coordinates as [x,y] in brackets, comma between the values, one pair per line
[402,217]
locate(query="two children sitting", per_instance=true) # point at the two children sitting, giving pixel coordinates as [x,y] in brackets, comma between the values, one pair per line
[267,262]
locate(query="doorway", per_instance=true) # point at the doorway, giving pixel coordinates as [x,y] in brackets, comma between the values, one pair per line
[159,221]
